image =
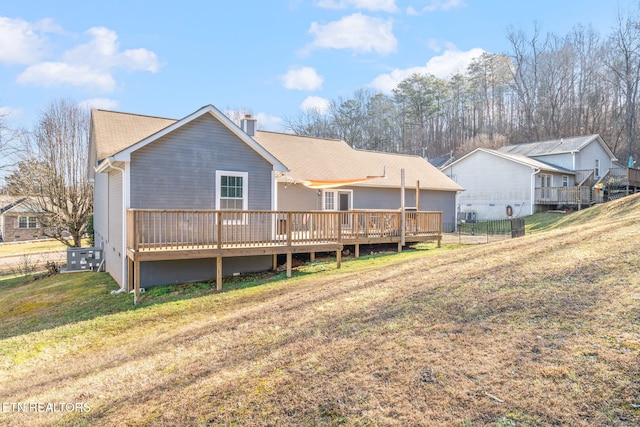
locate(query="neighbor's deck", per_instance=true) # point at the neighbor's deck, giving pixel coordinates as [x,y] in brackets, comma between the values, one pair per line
[159,235]
[587,192]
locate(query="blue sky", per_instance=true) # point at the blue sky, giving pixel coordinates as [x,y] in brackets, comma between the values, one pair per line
[272,57]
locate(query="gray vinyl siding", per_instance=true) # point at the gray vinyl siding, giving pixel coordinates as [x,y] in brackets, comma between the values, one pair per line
[390,198]
[157,273]
[178,171]
[297,197]
[562,160]
[113,247]
[586,158]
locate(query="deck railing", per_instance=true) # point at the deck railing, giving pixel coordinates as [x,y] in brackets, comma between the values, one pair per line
[190,229]
[624,176]
[574,195]
[585,177]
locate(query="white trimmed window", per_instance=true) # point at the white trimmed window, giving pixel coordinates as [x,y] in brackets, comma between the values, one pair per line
[232,191]
[329,201]
[565,181]
[27,222]
[337,200]
[596,169]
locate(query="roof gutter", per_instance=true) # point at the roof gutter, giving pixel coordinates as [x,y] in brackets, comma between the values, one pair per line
[106,164]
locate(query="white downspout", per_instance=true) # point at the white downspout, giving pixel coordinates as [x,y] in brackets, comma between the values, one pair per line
[533,189]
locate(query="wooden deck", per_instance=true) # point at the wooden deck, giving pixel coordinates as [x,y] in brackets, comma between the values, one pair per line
[160,235]
[570,196]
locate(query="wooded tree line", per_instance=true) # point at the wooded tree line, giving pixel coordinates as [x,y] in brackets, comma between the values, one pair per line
[547,86]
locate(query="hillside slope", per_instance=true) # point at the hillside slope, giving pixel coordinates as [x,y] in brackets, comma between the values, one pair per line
[540,330]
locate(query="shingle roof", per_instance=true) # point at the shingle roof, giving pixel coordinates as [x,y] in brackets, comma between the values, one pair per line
[554,146]
[307,158]
[518,158]
[441,162]
[543,166]
[7,202]
[17,204]
[115,131]
[311,158]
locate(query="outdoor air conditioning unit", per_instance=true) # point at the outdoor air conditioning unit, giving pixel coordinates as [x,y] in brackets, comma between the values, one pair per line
[80,259]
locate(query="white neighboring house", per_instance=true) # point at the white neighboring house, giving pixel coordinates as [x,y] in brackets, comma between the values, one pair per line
[501,185]
[522,179]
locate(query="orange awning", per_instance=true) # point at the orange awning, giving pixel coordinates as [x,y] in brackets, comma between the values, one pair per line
[335,183]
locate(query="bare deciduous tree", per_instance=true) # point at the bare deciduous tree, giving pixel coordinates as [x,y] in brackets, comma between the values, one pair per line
[9,141]
[55,173]
[547,86]
[625,64]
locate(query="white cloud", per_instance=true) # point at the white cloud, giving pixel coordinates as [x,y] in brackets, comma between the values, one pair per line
[103,51]
[50,74]
[358,32]
[382,5]
[302,78]
[90,65]
[434,5]
[140,60]
[268,122]
[439,45]
[442,66]
[101,103]
[22,42]
[315,103]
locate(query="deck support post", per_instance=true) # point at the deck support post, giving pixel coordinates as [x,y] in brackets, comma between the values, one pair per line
[399,247]
[289,262]
[129,274]
[357,250]
[338,258]
[312,256]
[219,273]
[274,266]
[136,282]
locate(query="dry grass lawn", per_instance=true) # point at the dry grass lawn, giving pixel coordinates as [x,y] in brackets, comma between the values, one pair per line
[541,330]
